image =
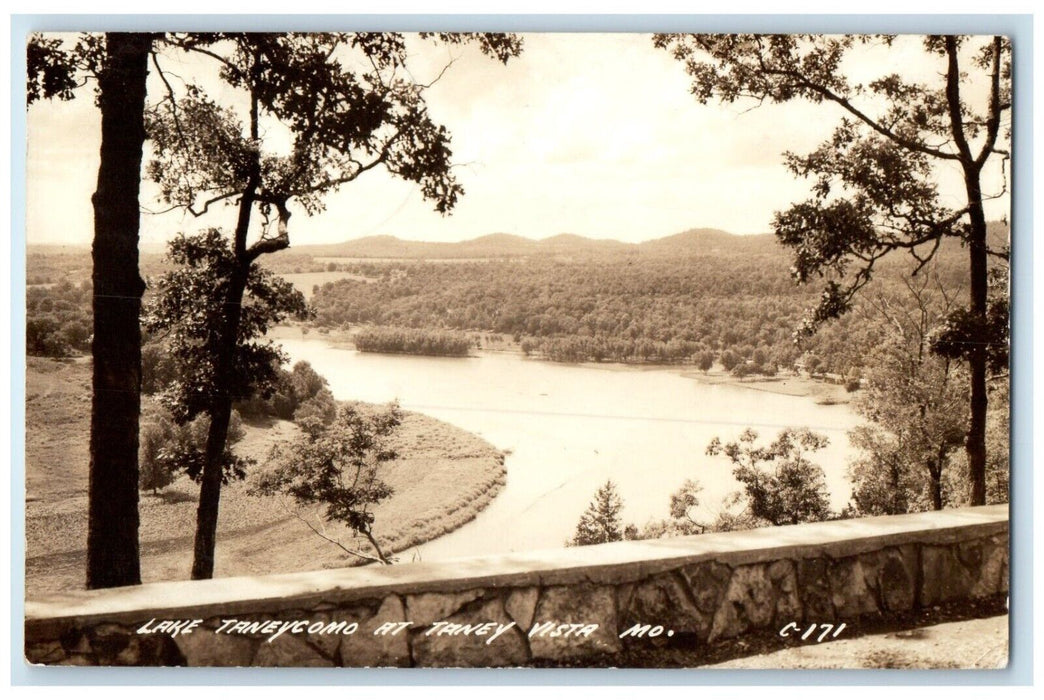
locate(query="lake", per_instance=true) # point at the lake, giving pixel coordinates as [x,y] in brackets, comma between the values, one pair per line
[568,428]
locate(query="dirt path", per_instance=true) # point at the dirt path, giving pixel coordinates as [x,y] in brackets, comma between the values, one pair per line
[981,643]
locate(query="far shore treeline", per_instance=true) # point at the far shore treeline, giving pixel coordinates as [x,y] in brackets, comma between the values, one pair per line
[700,297]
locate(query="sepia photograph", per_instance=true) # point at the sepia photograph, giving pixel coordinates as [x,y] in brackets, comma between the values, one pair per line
[535,349]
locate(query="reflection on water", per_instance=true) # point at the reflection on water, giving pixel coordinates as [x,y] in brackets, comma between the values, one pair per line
[569,428]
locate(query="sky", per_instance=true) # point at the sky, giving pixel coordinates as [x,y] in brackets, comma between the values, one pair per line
[589,134]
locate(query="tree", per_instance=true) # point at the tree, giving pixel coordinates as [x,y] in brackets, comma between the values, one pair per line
[343,123]
[914,400]
[119,63]
[730,360]
[158,368]
[190,307]
[168,449]
[155,472]
[337,468]
[306,381]
[601,521]
[781,485]
[185,450]
[321,407]
[875,185]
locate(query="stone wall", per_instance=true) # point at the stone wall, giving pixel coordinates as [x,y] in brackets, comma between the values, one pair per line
[495,610]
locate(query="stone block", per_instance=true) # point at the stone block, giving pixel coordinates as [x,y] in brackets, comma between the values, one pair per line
[328,643]
[707,582]
[749,603]
[813,585]
[202,647]
[783,576]
[521,605]
[991,576]
[943,576]
[896,580]
[853,591]
[970,554]
[75,641]
[109,629]
[578,604]
[49,652]
[119,649]
[366,649]
[289,651]
[425,608]
[471,651]
[665,600]
[1004,575]
[158,650]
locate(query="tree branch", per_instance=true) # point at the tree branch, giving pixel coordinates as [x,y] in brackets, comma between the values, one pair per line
[993,120]
[953,100]
[331,540]
[271,245]
[846,104]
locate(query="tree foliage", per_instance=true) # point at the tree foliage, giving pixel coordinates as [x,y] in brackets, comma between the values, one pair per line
[154,472]
[875,179]
[348,104]
[683,516]
[913,400]
[58,319]
[344,120]
[169,449]
[337,467]
[57,66]
[186,449]
[601,521]
[781,485]
[188,307]
[412,342]
[618,306]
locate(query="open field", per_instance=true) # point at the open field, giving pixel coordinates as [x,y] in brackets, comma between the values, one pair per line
[443,479]
[305,282]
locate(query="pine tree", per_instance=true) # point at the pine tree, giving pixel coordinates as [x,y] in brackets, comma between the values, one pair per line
[601,521]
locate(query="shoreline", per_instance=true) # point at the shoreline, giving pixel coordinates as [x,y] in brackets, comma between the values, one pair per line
[822,392]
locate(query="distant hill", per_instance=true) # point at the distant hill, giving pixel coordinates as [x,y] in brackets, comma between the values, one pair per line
[711,241]
[693,242]
[493,245]
[504,245]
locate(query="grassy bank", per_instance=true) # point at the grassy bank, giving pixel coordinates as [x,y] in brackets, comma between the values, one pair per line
[444,478]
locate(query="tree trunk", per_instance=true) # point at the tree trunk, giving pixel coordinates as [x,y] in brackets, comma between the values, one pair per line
[976,442]
[935,484]
[112,528]
[220,416]
[221,403]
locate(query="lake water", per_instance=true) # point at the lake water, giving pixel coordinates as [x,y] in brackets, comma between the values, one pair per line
[568,428]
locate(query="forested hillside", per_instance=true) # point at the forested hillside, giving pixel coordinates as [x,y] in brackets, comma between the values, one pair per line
[698,296]
[669,300]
